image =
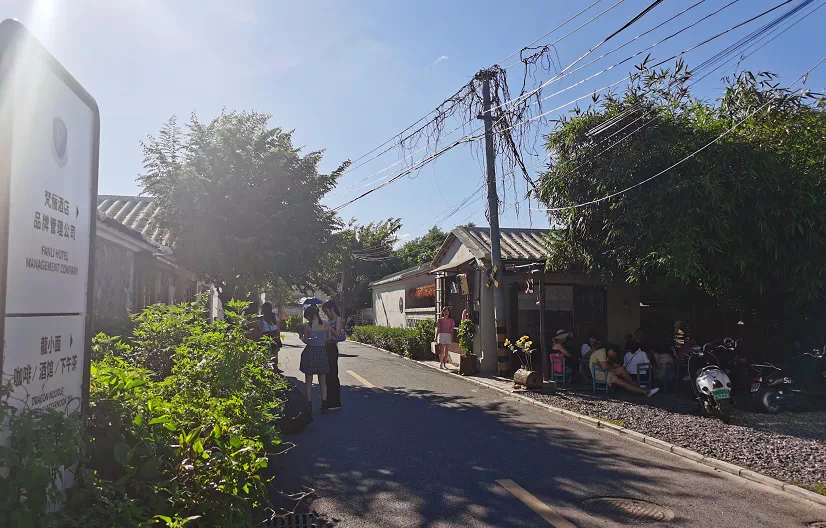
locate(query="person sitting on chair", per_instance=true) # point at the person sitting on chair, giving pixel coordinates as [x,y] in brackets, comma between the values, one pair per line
[558,350]
[608,360]
[633,359]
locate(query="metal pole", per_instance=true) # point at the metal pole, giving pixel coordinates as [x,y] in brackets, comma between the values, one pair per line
[542,330]
[493,212]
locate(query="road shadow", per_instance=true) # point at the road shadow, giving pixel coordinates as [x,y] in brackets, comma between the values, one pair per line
[401,457]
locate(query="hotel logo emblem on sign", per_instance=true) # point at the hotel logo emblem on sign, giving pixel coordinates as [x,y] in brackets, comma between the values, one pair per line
[60,140]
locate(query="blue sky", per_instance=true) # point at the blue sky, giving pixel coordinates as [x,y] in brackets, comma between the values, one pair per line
[347,75]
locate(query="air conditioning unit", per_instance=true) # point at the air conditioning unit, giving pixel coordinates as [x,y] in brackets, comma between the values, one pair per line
[464,285]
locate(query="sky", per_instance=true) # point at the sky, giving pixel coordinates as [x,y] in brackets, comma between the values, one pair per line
[347,75]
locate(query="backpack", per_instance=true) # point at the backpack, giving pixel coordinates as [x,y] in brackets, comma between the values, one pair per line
[297,412]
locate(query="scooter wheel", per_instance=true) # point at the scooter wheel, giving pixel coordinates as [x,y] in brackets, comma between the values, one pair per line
[770,401]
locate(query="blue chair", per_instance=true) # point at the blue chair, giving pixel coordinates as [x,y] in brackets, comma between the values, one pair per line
[600,383]
[560,377]
[645,376]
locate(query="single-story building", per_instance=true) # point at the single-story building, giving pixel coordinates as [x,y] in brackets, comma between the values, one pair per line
[402,298]
[459,273]
[134,265]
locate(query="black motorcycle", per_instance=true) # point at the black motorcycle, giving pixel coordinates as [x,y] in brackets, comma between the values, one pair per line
[764,385]
[809,369]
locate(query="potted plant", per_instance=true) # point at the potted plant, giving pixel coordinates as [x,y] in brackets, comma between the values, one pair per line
[468,362]
[526,376]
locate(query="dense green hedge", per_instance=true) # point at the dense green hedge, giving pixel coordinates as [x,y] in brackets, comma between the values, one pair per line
[413,343]
[179,431]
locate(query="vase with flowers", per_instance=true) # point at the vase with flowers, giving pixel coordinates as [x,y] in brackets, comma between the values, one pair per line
[526,376]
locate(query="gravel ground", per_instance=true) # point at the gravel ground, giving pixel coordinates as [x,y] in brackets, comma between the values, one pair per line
[797,455]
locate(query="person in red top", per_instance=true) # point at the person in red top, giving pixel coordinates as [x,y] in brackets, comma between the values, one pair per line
[444,335]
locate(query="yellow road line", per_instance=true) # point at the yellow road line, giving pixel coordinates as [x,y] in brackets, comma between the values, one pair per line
[362,380]
[542,509]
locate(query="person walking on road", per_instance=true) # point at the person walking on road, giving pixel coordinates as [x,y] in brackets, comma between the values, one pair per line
[444,335]
[270,327]
[336,335]
[314,357]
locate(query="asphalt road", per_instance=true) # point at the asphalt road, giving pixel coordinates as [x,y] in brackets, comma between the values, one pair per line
[425,449]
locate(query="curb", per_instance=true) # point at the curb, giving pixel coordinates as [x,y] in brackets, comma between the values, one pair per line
[653,443]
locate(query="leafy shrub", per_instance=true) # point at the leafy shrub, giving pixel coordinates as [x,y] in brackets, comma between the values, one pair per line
[465,333]
[400,341]
[294,323]
[42,443]
[185,446]
[425,330]
[159,330]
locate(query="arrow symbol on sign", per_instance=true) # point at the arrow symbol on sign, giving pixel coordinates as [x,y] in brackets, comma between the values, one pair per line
[71,340]
[77,211]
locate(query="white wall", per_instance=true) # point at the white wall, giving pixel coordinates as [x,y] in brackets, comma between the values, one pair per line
[386,300]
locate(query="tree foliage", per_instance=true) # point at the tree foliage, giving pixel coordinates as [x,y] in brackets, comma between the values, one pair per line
[742,219]
[421,250]
[241,202]
[356,256]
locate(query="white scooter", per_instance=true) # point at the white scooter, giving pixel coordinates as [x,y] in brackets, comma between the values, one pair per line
[712,386]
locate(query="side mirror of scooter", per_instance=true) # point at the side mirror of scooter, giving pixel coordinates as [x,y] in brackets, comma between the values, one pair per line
[728,342]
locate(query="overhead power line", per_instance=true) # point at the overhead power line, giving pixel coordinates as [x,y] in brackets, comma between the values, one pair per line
[515,53]
[558,77]
[563,37]
[658,64]
[469,138]
[718,35]
[355,164]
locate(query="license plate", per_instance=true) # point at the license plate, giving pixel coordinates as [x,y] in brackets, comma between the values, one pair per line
[721,394]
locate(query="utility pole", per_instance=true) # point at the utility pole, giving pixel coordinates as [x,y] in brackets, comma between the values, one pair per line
[502,354]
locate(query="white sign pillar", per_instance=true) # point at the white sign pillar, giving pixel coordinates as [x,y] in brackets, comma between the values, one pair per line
[49,140]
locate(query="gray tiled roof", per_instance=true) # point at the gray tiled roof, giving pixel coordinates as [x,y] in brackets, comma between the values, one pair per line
[516,244]
[138,213]
[403,274]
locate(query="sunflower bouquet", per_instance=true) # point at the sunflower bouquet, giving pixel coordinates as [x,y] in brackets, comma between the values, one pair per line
[522,349]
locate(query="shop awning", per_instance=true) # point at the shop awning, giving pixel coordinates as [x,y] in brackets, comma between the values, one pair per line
[462,256]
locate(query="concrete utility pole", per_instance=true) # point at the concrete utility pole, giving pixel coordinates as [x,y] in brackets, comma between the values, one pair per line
[493,211]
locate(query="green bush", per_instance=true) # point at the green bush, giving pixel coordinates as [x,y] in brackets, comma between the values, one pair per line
[425,331]
[465,334]
[295,323]
[186,444]
[402,341]
[187,447]
[42,443]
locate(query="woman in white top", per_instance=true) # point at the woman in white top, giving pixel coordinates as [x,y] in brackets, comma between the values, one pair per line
[590,346]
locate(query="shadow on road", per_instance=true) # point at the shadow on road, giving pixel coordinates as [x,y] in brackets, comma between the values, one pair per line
[413,457]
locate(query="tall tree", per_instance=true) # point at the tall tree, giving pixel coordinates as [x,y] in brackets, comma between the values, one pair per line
[357,255]
[242,203]
[743,218]
[420,250]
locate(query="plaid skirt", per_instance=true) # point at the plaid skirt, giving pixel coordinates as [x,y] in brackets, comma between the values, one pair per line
[314,360]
